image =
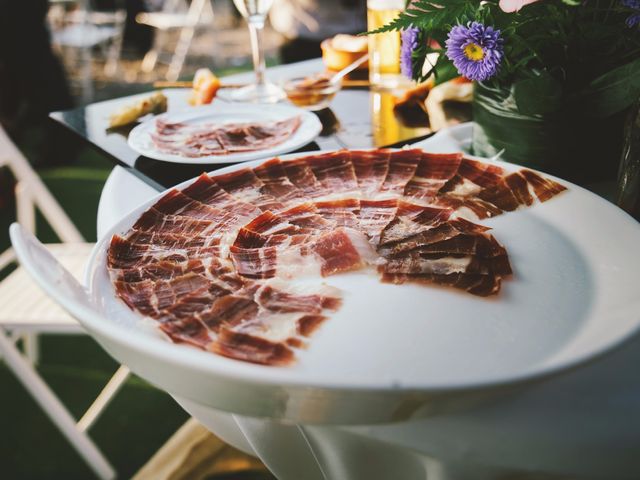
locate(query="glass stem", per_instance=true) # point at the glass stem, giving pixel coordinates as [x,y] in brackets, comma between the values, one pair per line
[256,27]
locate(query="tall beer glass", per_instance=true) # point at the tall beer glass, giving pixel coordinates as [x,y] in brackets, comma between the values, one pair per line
[384,48]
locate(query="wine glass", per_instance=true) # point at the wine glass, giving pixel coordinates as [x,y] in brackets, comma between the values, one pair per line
[262,91]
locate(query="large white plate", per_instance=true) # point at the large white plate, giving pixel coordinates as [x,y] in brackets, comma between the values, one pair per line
[392,350]
[220,112]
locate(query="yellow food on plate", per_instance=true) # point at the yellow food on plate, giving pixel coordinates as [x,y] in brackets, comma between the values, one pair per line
[155,103]
[205,87]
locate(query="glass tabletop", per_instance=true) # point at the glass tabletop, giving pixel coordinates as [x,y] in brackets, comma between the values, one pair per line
[357,118]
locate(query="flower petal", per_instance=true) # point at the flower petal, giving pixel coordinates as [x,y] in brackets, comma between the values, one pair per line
[510,6]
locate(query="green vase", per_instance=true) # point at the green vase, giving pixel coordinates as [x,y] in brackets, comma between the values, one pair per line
[566,143]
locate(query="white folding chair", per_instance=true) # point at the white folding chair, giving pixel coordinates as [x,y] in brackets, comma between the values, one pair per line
[175,15]
[81,31]
[26,311]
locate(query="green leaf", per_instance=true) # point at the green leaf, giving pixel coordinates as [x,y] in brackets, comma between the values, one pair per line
[430,17]
[614,91]
[444,72]
[537,95]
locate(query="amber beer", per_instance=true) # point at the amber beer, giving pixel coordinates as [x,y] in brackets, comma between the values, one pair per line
[384,48]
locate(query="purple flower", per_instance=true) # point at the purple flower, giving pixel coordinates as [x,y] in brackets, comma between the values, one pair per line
[475,50]
[409,39]
[634,18]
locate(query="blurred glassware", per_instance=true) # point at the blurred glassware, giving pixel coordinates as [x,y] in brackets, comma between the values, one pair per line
[628,195]
[384,48]
[315,92]
[311,93]
[262,91]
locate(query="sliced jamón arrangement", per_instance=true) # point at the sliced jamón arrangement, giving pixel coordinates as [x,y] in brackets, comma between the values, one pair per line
[218,264]
[201,140]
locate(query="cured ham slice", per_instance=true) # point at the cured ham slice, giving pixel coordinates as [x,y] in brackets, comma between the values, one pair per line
[334,171]
[403,226]
[153,220]
[256,136]
[511,193]
[402,168]
[256,263]
[520,189]
[219,273]
[199,140]
[333,252]
[430,234]
[469,207]
[475,284]
[198,318]
[125,254]
[169,240]
[278,318]
[162,270]
[418,262]
[286,315]
[276,182]
[482,245]
[340,212]
[341,251]
[481,190]
[473,176]
[196,304]
[251,348]
[150,297]
[415,263]
[374,216]
[301,175]
[168,128]
[461,192]
[284,298]
[306,215]
[543,188]
[432,173]
[188,330]
[246,185]
[371,168]
[248,239]
[269,223]
[177,203]
[228,263]
[207,191]
[186,140]
[228,311]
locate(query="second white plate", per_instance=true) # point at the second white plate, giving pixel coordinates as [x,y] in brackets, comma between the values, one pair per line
[140,137]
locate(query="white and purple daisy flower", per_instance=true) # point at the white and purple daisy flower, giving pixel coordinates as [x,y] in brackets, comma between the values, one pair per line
[475,50]
[634,18]
[409,39]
